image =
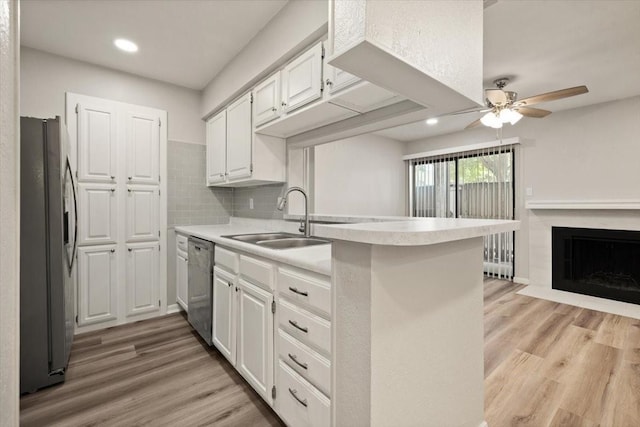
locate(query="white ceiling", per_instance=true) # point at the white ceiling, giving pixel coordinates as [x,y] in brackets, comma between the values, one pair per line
[185,42]
[541,45]
[549,45]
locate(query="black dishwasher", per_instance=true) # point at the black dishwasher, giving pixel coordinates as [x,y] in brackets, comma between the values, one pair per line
[200,286]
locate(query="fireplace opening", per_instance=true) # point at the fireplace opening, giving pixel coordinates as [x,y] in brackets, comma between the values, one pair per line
[601,263]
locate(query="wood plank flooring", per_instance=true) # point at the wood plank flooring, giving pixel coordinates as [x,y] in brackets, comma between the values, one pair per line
[546,365]
[154,372]
[549,364]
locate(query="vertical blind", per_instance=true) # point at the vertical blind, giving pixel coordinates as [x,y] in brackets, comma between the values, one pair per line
[471,184]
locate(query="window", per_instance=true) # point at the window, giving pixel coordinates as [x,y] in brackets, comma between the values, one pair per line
[472,184]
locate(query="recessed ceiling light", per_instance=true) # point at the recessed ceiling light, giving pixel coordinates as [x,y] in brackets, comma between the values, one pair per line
[126,45]
[432,121]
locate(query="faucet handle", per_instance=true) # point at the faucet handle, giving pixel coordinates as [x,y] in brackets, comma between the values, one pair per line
[302,228]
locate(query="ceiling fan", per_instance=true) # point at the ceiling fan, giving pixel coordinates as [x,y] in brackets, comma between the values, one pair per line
[503,106]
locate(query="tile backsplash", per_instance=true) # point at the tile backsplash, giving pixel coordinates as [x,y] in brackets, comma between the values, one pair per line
[191,202]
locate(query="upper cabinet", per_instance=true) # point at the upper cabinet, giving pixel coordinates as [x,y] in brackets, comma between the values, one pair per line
[302,79]
[267,100]
[143,148]
[238,157]
[97,139]
[239,138]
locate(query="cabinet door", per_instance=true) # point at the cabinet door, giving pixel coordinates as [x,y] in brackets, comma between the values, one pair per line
[266,100]
[143,204]
[142,139]
[97,214]
[97,281]
[217,148]
[302,79]
[224,323]
[97,139]
[337,79]
[255,338]
[143,293]
[182,278]
[239,138]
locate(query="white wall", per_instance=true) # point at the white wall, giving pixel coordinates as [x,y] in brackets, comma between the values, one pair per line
[9,214]
[589,153]
[363,175]
[296,25]
[45,78]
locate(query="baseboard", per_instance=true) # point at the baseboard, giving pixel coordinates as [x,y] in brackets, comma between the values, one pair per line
[174,308]
[521,280]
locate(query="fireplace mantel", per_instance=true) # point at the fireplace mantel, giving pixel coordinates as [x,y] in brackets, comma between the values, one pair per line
[627,204]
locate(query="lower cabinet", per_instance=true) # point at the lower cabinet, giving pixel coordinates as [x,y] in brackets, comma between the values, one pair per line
[255,337]
[182,279]
[299,403]
[97,284]
[224,308]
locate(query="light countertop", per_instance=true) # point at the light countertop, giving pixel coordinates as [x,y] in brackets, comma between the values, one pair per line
[415,231]
[313,258]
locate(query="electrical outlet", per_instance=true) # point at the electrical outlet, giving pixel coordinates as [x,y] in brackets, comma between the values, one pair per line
[251,203]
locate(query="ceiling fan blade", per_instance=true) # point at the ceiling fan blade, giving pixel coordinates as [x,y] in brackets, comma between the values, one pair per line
[495,96]
[532,112]
[473,124]
[470,110]
[552,96]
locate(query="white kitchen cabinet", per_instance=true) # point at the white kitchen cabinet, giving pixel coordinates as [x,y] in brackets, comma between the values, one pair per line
[255,337]
[143,148]
[299,403]
[182,279]
[97,214]
[142,213]
[97,284]
[217,148]
[302,79]
[143,293]
[239,138]
[266,100]
[97,141]
[224,310]
[337,79]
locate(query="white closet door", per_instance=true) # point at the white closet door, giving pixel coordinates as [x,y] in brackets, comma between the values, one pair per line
[143,293]
[302,79]
[255,338]
[217,148]
[142,213]
[239,138]
[266,102]
[97,214]
[142,139]
[97,284]
[97,141]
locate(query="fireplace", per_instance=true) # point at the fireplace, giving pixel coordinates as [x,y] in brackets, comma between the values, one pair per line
[601,263]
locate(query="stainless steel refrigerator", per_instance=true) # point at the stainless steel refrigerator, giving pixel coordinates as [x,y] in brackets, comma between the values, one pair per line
[48,231]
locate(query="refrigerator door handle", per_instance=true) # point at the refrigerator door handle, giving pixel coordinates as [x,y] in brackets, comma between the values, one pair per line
[75,217]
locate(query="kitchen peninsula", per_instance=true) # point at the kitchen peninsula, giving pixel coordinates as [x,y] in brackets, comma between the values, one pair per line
[407,321]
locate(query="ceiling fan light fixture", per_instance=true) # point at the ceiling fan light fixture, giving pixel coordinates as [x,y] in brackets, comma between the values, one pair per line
[508,115]
[491,120]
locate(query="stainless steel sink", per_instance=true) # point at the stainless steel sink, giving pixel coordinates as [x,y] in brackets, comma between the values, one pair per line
[278,240]
[257,237]
[293,242]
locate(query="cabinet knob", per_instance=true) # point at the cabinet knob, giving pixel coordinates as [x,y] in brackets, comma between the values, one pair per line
[274,109]
[284,104]
[113,177]
[221,175]
[229,284]
[130,250]
[129,190]
[113,190]
[113,250]
[329,82]
[129,178]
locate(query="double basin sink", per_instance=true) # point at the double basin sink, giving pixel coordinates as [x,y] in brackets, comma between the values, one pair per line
[278,240]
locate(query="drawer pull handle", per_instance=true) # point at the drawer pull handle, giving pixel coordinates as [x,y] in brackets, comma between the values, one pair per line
[296,291]
[295,359]
[294,393]
[295,325]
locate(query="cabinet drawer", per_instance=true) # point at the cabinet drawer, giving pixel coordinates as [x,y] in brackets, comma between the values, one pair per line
[226,259]
[310,365]
[182,242]
[298,402]
[257,271]
[306,289]
[306,327]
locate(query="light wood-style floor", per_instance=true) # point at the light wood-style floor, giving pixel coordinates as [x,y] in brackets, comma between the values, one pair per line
[546,364]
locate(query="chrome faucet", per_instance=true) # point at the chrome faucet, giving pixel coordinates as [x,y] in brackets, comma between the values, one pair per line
[283,201]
